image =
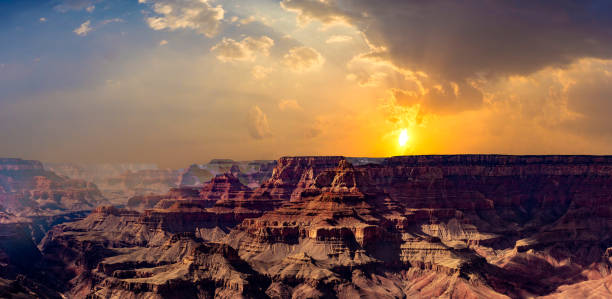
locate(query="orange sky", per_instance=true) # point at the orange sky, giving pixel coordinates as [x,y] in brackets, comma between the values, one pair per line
[181,82]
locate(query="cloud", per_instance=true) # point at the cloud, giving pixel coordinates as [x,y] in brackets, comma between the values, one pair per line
[302,59]
[68,5]
[573,102]
[408,88]
[84,29]
[317,127]
[589,93]
[308,10]
[108,21]
[441,98]
[231,50]
[289,105]
[376,72]
[248,20]
[198,15]
[457,40]
[260,72]
[258,123]
[338,39]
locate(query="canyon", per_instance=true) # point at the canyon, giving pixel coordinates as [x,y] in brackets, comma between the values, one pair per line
[121,181]
[32,200]
[456,226]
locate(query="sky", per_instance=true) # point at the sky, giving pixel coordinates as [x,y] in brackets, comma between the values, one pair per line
[176,82]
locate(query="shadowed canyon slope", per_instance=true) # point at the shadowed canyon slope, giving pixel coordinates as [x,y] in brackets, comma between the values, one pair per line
[464,226]
[32,200]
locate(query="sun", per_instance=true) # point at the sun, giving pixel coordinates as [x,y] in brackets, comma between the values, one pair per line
[403,138]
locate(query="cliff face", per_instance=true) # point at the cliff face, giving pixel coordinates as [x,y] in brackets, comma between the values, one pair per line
[221,187]
[32,199]
[294,174]
[27,189]
[17,175]
[221,203]
[467,226]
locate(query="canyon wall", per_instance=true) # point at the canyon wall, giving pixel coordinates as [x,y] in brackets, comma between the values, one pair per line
[464,226]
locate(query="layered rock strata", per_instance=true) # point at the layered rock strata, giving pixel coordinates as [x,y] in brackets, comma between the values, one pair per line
[466,226]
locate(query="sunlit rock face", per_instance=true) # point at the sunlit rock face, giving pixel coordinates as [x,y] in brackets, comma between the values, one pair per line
[293,174]
[467,226]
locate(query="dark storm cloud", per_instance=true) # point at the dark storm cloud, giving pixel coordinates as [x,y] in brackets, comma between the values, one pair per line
[456,40]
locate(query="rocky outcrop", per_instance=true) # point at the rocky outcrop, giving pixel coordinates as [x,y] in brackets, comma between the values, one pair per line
[337,209]
[223,187]
[181,268]
[465,226]
[294,174]
[27,189]
[222,203]
[114,252]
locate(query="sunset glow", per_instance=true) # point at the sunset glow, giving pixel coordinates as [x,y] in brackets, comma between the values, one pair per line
[305,149]
[403,138]
[173,82]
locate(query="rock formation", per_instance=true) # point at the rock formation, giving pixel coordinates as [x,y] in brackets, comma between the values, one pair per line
[466,226]
[32,200]
[250,173]
[27,189]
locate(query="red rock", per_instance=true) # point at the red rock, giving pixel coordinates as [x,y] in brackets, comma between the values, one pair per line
[29,190]
[466,226]
[223,187]
[294,174]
